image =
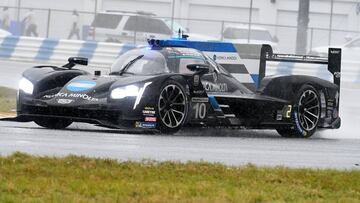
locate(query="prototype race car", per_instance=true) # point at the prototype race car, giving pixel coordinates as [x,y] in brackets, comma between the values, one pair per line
[176,83]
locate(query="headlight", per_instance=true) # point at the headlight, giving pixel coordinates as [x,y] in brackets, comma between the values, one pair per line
[122,92]
[26,86]
[129,91]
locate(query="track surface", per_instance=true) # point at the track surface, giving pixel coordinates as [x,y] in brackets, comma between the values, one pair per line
[327,149]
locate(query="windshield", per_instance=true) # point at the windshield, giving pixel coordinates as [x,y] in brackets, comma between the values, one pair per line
[233,33]
[148,61]
[141,62]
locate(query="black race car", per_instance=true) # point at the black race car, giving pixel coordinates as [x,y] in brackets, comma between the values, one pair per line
[172,84]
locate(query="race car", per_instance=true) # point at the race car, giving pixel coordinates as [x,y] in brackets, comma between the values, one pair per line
[177,83]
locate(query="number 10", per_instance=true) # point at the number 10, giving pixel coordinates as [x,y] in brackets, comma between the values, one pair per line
[200,110]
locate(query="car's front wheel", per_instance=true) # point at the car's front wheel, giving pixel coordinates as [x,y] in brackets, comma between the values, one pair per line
[53,123]
[173,107]
[306,114]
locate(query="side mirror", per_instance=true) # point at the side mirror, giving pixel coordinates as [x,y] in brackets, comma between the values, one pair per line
[78,61]
[199,68]
[73,61]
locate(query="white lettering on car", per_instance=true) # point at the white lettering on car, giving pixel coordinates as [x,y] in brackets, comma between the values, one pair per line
[72,95]
[219,87]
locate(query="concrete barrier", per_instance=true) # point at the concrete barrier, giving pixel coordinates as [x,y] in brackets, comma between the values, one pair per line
[58,51]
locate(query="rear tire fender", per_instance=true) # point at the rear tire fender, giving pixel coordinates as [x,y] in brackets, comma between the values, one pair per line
[287,87]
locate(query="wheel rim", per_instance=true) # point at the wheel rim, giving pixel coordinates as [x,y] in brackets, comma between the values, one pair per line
[172,106]
[309,110]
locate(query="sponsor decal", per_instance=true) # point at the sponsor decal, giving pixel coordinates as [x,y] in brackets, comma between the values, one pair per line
[150,119]
[227,58]
[71,95]
[212,87]
[196,80]
[198,91]
[286,112]
[335,51]
[200,110]
[200,99]
[65,101]
[78,86]
[147,125]
[149,111]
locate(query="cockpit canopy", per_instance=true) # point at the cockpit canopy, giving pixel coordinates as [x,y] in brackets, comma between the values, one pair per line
[152,61]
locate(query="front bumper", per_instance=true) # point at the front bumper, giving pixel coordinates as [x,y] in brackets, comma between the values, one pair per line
[104,117]
[102,112]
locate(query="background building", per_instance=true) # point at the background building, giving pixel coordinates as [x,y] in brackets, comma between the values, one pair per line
[207,16]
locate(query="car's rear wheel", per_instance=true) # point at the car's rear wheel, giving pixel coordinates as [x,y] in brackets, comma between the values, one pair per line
[306,114]
[173,107]
[53,123]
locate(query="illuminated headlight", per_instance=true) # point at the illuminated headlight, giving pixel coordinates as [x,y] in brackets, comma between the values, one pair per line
[26,86]
[129,91]
[122,92]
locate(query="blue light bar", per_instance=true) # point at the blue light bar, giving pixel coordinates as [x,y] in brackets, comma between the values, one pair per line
[210,46]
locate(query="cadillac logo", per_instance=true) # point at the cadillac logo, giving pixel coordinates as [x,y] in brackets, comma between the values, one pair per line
[65,101]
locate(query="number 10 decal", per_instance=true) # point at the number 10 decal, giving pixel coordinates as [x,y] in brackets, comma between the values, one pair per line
[200,110]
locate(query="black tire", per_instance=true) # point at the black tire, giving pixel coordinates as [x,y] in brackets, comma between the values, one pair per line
[53,123]
[306,114]
[173,107]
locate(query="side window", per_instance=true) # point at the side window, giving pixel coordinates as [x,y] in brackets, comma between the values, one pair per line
[147,25]
[109,21]
[131,24]
[158,26]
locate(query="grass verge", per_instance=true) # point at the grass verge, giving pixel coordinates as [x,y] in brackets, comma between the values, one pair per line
[7,99]
[25,178]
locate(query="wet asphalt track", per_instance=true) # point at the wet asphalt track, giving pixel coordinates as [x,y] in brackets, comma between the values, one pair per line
[327,149]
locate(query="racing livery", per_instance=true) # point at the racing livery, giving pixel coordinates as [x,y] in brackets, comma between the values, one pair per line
[178,83]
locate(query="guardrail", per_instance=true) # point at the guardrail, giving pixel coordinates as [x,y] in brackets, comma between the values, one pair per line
[102,54]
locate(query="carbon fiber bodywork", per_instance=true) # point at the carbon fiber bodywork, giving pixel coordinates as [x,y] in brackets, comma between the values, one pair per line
[215,98]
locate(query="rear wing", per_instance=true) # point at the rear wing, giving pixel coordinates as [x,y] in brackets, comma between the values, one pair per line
[333,61]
